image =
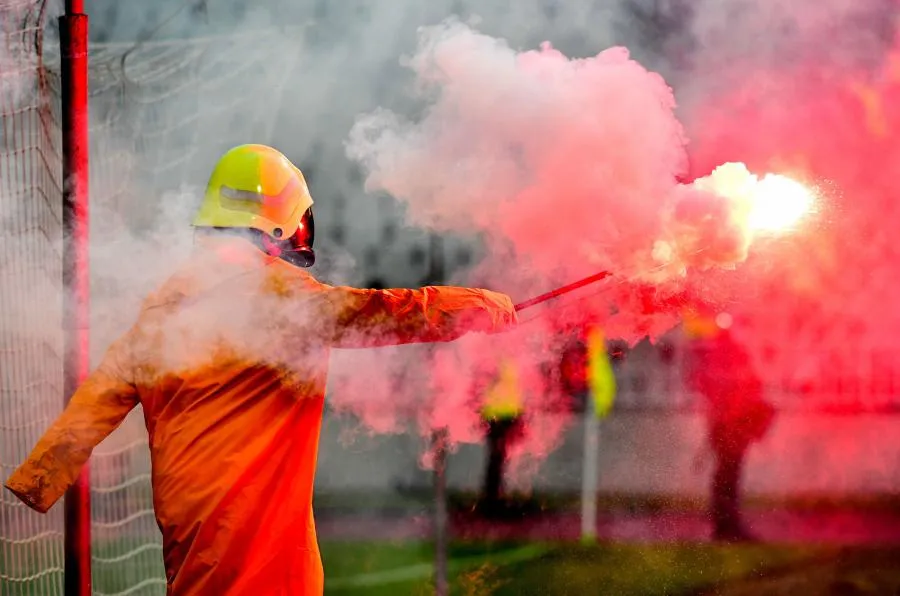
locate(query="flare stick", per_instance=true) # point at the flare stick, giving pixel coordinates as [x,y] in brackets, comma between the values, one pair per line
[562,290]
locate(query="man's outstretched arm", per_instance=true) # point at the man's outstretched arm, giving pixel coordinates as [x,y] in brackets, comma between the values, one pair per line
[356,318]
[99,405]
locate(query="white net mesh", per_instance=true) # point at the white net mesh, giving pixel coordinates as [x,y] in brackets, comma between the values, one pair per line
[30,270]
[161,112]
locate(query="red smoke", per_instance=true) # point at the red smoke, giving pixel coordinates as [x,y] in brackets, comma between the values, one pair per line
[817,309]
[564,167]
[568,167]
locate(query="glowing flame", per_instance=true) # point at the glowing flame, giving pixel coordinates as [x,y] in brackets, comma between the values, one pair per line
[778,203]
[772,203]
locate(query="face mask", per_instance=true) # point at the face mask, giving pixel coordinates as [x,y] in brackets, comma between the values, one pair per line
[298,249]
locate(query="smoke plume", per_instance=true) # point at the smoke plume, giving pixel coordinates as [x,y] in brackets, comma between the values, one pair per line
[562,159]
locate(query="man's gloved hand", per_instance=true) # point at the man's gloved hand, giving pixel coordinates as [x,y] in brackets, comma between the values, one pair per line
[500,311]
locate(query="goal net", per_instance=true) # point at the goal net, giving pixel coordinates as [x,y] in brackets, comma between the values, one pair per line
[161,111]
[31,557]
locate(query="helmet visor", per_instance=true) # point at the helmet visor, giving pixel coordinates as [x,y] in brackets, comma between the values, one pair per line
[305,235]
[298,249]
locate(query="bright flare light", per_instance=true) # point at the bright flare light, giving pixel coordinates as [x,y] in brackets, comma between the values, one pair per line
[778,203]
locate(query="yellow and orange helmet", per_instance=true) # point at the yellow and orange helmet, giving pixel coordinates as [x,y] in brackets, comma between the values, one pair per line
[255,187]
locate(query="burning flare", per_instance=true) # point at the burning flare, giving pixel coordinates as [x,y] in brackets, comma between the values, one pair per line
[713,221]
[771,204]
[779,203]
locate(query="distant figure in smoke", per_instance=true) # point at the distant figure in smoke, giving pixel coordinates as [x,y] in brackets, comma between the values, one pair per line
[502,411]
[573,373]
[587,359]
[229,360]
[719,368]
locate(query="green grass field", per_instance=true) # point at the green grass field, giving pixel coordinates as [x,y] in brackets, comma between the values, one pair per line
[613,569]
[552,569]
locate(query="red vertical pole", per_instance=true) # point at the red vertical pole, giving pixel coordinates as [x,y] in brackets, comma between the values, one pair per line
[73,28]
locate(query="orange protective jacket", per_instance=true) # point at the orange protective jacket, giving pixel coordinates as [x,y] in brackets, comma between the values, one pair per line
[229,361]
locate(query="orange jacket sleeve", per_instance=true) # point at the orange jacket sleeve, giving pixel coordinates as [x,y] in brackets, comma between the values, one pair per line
[98,406]
[356,318]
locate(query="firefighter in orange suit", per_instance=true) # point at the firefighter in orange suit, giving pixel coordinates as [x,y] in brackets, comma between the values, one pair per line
[229,361]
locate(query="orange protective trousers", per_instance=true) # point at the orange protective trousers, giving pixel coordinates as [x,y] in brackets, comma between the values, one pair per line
[229,361]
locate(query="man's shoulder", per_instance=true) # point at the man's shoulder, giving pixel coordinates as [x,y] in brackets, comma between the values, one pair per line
[284,279]
[177,288]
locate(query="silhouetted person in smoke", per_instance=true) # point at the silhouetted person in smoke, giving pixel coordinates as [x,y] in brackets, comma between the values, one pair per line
[502,433]
[502,413]
[573,366]
[719,368]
